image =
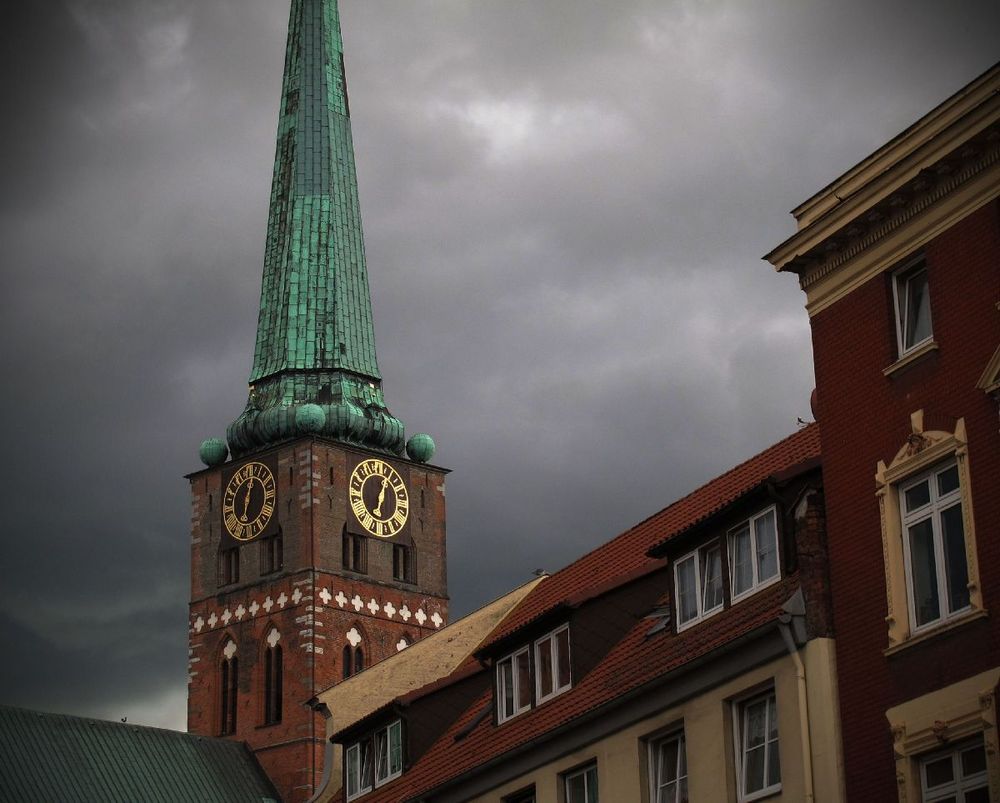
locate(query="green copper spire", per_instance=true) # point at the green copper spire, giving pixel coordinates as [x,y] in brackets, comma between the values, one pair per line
[314,368]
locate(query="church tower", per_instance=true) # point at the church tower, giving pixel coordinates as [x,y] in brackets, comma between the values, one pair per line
[318,531]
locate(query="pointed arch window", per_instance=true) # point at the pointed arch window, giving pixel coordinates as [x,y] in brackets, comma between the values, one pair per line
[354,654]
[229,683]
[273,668]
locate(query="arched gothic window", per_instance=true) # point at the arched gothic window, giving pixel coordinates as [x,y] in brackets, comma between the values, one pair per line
[273,668]
[229,683]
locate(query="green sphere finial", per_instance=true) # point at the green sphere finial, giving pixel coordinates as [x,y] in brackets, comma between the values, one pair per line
[310,419]
[213,452]
[420,448]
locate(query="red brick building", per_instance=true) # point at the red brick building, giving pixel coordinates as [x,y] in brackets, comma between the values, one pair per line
[900,262]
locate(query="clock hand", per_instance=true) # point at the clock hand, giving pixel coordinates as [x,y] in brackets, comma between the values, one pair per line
[381,498]
[246,499]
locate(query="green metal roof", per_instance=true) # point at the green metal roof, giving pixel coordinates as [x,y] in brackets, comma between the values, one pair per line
[315,338]
[53,758]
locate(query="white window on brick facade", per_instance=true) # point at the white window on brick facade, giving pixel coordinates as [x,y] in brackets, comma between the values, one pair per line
[552,664]
[513,685]
[913,307]
[957,775]
[698,584]
[753,554]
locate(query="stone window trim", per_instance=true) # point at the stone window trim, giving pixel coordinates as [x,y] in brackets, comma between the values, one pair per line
[921,452]
[941,719]
[964,779]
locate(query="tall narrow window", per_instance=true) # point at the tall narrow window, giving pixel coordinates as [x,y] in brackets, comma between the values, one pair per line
[271,554]
[753,553]
[513,685]
[757,750]
[552,664]
[273,667]
[698,584]
[355,553]
[229,684]
[668,770]
[359,659]
[934,546]
[581,786]
[956,776]
[913,307]
[229,566]
[403,563]
[348,661]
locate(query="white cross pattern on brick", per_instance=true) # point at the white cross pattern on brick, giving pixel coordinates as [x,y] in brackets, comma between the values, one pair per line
[421,616]
[341,599]
[401,645]
[282,599]
[404,613]
[226,616]
[230,650]
[199,623]
[437,620]
[212,619]
[273,637]
[357,602]
[268,603]
[354,637]
[389,609]
[240,611]
[296,596]
[373,606]
[254,607]
[326,596]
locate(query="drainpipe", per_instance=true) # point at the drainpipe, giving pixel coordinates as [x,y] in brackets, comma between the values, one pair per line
[322,708]
[784,625]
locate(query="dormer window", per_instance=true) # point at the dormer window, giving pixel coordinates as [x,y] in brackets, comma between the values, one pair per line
[513,685]
[375,760]
[698,584]
[552,668]
[753,554]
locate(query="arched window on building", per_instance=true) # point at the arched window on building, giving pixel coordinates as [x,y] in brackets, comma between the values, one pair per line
[354,654]
[272,678]
[229,684]
[348,662]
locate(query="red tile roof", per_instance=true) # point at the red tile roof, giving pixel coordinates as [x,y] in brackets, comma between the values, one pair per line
[627,553]
[638,658]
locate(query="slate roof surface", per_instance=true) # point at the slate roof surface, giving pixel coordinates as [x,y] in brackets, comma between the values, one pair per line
[639,658]
[54,758]
[627,552]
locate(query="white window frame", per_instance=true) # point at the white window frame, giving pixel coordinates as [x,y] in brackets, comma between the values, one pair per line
[961,784]
[702,613]
[554,657]
[756,584]
[740,709]
[900,296]
[585,772]
[932,510]
[656,782]
[503,716]
[355,753]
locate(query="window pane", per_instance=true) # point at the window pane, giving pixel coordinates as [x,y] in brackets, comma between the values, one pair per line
[523,680]
[947,481]
[956,568]
[924,573]
[767,547]
[917,496]
[980,794]
[668,761]
[918,309]
[939,772]
[395,748]
[756,722]
[687,594]
[712,579]
[742,569]
[973,761]
[505,679]
[367,779]
[562,653]
[543,655]
[576,789]
[381,755]
[591,777]
[754,771]
[353,770]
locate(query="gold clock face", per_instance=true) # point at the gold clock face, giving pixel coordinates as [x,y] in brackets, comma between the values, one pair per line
[378,498]
[248,503]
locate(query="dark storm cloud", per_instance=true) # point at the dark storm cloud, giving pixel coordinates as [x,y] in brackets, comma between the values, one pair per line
[564,202]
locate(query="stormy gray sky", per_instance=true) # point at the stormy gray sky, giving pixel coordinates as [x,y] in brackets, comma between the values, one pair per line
[565,204]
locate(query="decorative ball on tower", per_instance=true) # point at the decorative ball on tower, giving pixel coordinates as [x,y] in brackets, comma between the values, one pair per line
[213,452]
[310,419]
[420,448]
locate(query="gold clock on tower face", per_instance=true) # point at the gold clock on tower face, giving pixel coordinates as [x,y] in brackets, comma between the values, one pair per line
[248,503]
[378,498]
